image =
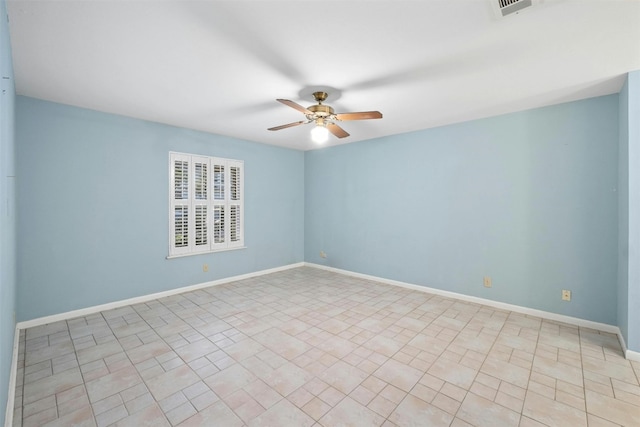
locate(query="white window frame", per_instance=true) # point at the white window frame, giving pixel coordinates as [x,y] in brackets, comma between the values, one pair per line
[229,198]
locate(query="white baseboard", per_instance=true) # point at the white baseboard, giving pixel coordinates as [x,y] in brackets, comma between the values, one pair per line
[146,298]
[13,374]
[496,304]
[632,355]
[628,354]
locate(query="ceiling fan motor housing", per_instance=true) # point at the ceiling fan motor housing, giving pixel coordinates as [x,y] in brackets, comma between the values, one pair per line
[320,111]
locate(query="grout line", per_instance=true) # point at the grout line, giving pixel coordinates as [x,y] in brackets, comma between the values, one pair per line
[584,384]
[13,373]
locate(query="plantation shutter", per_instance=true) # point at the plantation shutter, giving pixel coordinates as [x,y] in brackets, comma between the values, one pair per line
[201,204]
[219,205]
[236,215]
[206,209]
[180,200]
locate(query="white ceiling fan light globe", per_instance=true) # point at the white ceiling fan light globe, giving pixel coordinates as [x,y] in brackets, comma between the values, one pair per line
[319,134]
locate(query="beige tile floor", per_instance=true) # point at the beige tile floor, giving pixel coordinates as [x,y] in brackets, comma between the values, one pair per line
[307,347]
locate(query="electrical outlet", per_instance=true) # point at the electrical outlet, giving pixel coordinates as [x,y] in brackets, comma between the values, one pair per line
[487,281]
[323,254]
[205,267]
[566,295]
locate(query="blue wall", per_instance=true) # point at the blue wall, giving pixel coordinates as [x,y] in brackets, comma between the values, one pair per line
[8,280]
[528,199]
[623,213]
[93,203]
[633,341]
[629,213]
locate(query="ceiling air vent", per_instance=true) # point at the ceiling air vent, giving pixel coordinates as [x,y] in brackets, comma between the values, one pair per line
[507,7]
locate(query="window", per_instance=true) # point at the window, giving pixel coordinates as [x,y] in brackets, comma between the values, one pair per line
[206,204]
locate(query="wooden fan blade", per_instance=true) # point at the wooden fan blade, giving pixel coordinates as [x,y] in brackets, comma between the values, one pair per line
[364,115]
[337,130]
[288,125]
[295,106]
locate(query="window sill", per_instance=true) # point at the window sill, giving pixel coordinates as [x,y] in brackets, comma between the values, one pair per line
[205,252]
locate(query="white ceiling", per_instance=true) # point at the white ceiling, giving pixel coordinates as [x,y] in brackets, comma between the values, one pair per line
[218,66]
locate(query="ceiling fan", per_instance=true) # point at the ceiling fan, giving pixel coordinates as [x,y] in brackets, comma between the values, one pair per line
[324,117]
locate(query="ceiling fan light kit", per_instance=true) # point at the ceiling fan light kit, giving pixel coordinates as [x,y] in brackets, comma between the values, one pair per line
[319,134]
[324,117]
